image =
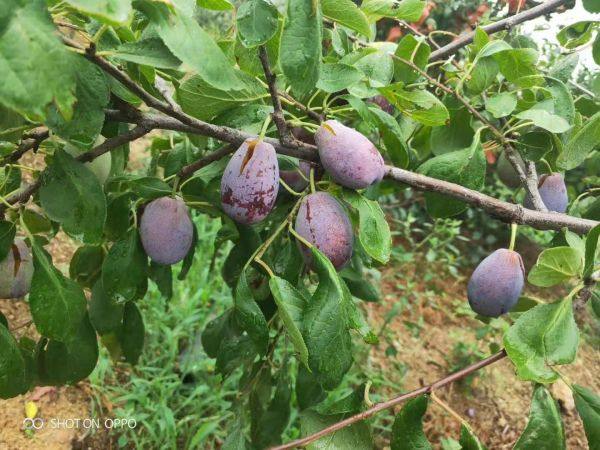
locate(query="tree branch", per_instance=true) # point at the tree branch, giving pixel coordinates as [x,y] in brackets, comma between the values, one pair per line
[529,178]
[282,128]
[393,402]
[188,170]
[504,24]
[32,141]
[23,195]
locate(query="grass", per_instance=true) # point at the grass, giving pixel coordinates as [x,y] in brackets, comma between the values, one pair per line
[175,395]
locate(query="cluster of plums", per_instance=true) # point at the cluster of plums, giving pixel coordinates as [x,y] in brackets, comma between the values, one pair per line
[250,185]
[249,188]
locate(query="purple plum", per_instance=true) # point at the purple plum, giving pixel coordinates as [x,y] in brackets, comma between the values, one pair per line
[250,182]
[322,221]
[496,284]
[350,158]
[166,230]
[16,271]
[553,191]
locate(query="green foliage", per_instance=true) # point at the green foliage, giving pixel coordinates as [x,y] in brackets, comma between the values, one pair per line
[254,322]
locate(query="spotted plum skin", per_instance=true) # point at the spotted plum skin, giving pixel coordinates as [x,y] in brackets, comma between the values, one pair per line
[349,157]
[496,284]
[166,230]
[16,271]
[553,191]
[322,221]
[250,182]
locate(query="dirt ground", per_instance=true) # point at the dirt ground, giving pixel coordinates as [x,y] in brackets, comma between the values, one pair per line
[495,403]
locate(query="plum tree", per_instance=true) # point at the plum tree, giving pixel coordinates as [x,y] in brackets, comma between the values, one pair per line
[349,157]
[250,182]
[16,270]
[322,221]
[496,283]
[507,173]
[166,230]
[553,191]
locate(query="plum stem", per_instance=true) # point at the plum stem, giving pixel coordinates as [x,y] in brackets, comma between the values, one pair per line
[265,266]
[264,128]
[513,235]
[313,189]
[289,189]
[449,410]
[297,236]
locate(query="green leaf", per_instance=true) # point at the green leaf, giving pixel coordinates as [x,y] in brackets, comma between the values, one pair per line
[86,265]
[125,268]
[197,50]
[407,432]
[544,119]
[540,338]
[414,50]
[517,63]
[408,10]
[105,315]
[71,195]
[291,304]
[501,105]
[577,34]
[150,51]
[420,105]
[112,12]
[591,246]
[92,94]
[272,422]
[581,144]
[544,428]
[326,326]
[249,316]
[70,361]
[201,100]
[257,22]
[356,436]
[465,167]
[215,5]
[393,137]
[483,75]
[14,379]
[562,98]
[457,133]
[588,407]
[535,145]
[555,265]
[131,333]
[346,13]
[336,77]
[37,70]
[8,231]
[592,6]
[57,303]
[301,43]
[163,278]
[469,441]
[150,188]
[373,230]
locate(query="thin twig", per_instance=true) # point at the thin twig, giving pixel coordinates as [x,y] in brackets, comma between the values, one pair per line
[161,86]
[504,24]
[188,170]
[393,402]
[32,140]
[309,112]
[284,133]
[527,179]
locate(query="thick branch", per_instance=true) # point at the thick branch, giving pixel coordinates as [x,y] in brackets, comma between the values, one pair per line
[528,179]
[282,128]
[504,24]
[32,141]
[188,170]
[393,402]
[507,212]
[23,195]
